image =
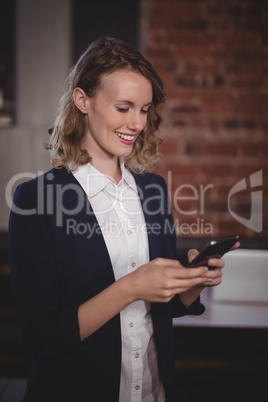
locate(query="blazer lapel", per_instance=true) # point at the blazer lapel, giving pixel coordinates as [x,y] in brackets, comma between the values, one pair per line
[86,216]
[150,196]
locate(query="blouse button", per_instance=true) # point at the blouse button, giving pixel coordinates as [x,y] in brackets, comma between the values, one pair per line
[133,264]
[129,232]
[137,387]
[131,324]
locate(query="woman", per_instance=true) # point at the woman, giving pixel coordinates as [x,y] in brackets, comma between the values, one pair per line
[95,278]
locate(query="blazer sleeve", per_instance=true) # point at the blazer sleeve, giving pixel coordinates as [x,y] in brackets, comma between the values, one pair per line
[179,309]
[47,328]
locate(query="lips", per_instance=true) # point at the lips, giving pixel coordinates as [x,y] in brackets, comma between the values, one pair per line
[125,138]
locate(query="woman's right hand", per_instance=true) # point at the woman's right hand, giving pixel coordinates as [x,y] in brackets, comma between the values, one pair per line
[159,280]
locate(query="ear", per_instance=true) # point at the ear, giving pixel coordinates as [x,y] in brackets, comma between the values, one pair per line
[81,100]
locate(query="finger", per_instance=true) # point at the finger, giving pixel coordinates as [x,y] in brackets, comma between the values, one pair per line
[213,281]
[166,262]
[236,245]
[188,273]
[190,283]
[214,277]
[214,273]
[216,262]
[184,278]
[192,253]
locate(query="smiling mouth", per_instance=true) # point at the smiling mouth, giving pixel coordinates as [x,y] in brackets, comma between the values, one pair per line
[125,136]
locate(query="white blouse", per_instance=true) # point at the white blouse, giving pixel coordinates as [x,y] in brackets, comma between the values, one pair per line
[119,213]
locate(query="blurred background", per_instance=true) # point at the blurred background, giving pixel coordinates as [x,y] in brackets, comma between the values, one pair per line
[213,58]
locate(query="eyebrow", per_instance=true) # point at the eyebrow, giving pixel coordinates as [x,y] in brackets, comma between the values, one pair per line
[132,103]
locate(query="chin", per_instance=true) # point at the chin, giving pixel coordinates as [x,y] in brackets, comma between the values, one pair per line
[124,153]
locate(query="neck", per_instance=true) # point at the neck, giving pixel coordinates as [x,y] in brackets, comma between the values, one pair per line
[105,162]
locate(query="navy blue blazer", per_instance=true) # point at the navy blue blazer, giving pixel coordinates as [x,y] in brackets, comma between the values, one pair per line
[58,260]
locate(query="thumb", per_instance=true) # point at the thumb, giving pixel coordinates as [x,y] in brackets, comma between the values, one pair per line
[192,253]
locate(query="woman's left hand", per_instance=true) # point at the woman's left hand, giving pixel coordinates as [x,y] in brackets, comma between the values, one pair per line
[214,275]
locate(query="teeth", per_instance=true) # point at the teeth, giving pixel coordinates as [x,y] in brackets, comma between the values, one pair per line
[125,137]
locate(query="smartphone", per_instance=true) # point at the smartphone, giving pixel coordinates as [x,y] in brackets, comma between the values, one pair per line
[214,249]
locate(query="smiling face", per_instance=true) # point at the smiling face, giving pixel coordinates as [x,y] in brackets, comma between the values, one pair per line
[115,115]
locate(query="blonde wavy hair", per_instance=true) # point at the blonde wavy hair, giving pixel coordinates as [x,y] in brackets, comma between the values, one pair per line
[104,56]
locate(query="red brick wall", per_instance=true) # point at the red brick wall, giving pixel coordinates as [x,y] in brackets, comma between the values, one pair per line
[213,58]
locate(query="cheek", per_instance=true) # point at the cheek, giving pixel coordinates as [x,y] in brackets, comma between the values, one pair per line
[103,123]
[116,122]
[145,121]
[109,118]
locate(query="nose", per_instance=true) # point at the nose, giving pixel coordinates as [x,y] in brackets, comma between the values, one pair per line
[137,122]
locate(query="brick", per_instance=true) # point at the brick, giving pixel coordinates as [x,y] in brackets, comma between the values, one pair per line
[264,40]
[198,123]
[215,10]
[249,124]
[222,148]
[171,67]
[199,80]
[192,68]
[193,25]
[171,145]
[162,10]
[245,169]
[156,52]
[219,80]
[251,25]
[194,148]
[183,39]
[181,168]
[233,68]
[180,123]
[219,205]
[252,102]
[245,80]
[218,101]
[234,42]
[217,169]
[237,123]
[235,11]
[263,125]
[254,12]
[222,26]
[257,149]
[185,109]
[231,124]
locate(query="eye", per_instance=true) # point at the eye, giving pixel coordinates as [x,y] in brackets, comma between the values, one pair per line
[122,110]
[144,111]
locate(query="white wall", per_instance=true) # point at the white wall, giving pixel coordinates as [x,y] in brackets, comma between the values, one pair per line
[43,54]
